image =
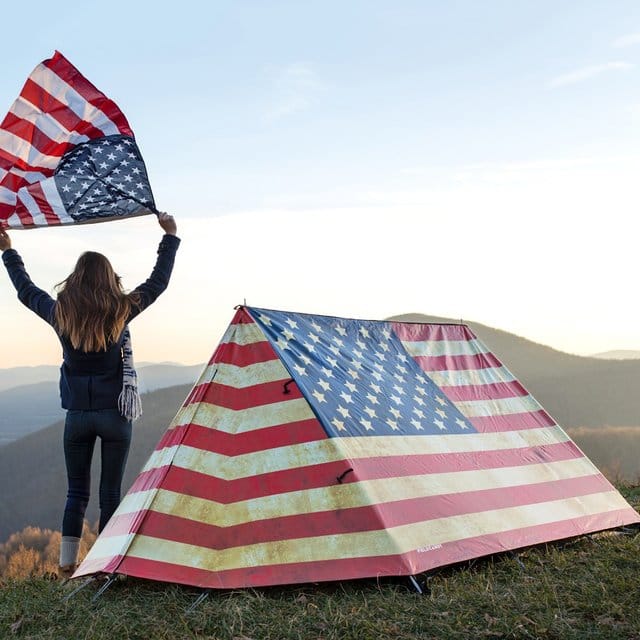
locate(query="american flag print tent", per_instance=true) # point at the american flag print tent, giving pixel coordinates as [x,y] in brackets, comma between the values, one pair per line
[316,448]
[68,154]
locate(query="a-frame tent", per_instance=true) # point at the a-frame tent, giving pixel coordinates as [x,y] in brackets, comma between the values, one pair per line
[315,448]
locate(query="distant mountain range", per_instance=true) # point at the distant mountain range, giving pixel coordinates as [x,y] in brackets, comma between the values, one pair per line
[620,354]
[36,389]
[577,391]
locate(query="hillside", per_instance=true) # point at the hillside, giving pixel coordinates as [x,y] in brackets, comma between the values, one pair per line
[577,391]
[32,468]
[42,397]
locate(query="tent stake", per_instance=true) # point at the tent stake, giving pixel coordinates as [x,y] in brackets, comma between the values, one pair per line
[110,580]
[198,600]
[515,557]
[416,585]
[81,586]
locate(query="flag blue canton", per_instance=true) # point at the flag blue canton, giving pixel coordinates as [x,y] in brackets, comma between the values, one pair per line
[105,177]
[358,378]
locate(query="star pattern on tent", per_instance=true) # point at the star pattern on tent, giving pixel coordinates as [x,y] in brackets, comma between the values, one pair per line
[359,378]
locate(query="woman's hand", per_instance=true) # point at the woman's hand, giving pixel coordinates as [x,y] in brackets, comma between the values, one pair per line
[5,240]
[167,222]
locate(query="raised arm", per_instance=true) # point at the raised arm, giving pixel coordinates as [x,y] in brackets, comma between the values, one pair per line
[36,299]
[158,281]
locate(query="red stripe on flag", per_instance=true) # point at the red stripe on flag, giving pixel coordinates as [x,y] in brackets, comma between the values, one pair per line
[6,210]
[13,181]
[230,444]
[512,421]
[364,567]
[237,399]
[38,97]
[8,161]
[493,391]
[201,485]
[67,72]
[350,520]
[23,213]
[43,204]
[455,363]
[36,138]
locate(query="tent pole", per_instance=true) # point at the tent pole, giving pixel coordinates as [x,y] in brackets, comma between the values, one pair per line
[416,585]
[81,586]
[110,580]
[198,600]
[517,559]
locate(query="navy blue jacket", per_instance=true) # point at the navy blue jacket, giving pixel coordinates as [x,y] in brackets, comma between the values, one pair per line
[91,380]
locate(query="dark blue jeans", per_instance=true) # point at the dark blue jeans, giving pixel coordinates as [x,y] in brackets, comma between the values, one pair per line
[81,429]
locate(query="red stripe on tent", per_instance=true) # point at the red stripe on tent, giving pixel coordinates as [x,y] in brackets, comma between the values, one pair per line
[493,391]
[512,421]
[67,72]
[243,355]
[455,363]
[44,101]
[415,332]
[374,517]
[229,444]
[237,399]
[43,204]
[29,131]
[151,479]
[200,485]
[364,567]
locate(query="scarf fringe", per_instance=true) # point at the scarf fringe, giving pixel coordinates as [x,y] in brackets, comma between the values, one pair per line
[129,402]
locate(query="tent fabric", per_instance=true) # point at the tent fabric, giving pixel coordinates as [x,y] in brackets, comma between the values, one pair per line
[315,448]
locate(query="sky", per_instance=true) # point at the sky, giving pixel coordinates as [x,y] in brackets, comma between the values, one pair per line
[473,160]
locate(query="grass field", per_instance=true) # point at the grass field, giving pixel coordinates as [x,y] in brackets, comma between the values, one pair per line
[580,589]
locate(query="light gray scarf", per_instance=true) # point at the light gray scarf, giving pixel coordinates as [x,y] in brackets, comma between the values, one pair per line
[129,402]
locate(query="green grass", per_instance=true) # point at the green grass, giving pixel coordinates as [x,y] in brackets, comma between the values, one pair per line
[580,589]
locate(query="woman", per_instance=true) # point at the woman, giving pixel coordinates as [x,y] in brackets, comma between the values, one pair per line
[90,316]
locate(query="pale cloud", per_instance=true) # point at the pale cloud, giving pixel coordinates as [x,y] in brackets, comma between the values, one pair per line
[627,40]
[586,73]
[296,86]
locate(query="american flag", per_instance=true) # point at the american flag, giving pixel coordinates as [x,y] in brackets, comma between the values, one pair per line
[315,448]
[67,154]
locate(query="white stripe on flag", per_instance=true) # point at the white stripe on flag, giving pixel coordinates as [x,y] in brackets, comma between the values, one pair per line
[23,150]
[38,217]
[52,195]
[45,123]
[7,196]
[65,93]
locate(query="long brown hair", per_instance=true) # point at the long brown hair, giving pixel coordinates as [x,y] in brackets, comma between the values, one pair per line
[92,307]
